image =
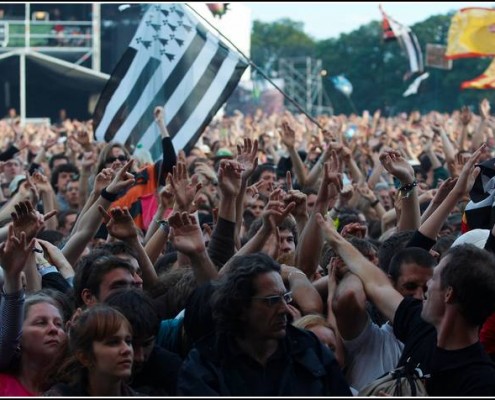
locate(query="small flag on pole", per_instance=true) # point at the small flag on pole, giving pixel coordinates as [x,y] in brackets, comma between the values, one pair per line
[342,84]
[172,61]
[407,40]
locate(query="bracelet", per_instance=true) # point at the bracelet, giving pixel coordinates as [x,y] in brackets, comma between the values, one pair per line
[405,190]
[164,226]
[408,187]
[374,203]
[295,272]
[108,196]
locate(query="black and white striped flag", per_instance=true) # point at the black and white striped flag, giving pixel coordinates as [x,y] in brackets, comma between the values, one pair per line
[172,61]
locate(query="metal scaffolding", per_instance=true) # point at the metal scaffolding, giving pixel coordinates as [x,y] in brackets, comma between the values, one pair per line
[303,83]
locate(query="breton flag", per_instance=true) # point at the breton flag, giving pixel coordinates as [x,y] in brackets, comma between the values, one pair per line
[407,41]
[172,61]
[485,81]
[471,33]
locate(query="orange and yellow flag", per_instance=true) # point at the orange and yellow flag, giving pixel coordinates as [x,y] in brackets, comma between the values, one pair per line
[485,81]
[472,33]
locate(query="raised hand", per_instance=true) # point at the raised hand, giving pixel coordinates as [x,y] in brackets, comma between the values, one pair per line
[119,223]
[398,166]
[485,109]
[26,219]
[42,183]
[185,234]
[297,197]
[469,173]
[288,135]
[123,179]
[14,252]
[159,114]
[246,157]
[354,229]
[443,190]
[331,184]
[28,191]
[103,179]
[230,177]
[184,189]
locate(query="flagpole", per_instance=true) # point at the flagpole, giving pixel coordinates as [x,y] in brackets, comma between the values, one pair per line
[252,64]
[352,104]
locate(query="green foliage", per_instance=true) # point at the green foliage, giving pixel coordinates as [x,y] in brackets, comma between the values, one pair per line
[282,38]
[375,69]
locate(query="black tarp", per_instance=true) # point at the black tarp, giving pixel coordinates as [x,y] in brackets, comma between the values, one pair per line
[51,84]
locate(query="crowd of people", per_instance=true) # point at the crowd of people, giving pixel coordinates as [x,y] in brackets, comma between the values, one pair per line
[279,256]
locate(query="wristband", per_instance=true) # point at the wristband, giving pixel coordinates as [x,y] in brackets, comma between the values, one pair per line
[405,190]
[164,226]
[108,196]
[374,203]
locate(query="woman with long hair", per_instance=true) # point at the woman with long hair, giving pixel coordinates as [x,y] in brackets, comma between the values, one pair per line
[100,356]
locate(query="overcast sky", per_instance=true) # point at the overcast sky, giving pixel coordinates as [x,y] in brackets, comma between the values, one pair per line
[324,20]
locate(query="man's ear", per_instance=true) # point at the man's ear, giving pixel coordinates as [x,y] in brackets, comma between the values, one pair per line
[449,296]
[88,298]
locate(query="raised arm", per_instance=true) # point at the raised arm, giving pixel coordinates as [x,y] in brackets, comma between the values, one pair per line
[187,238]
[169,156]
[396,165]
[376,284]
[248,161]
[91,220]
[311,241]
[14,253]
[431,227]
[288,137]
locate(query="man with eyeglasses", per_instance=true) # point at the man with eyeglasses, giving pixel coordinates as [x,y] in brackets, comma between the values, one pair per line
[254,350]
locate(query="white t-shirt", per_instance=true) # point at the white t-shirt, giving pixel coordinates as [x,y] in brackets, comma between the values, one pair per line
[373,353]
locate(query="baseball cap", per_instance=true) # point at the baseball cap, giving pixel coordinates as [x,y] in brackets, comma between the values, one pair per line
[223,153]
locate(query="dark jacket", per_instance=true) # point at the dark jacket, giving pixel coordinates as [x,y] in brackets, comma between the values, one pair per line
[301,366]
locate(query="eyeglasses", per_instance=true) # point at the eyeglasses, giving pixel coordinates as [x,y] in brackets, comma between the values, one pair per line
[110,160]
[271,301]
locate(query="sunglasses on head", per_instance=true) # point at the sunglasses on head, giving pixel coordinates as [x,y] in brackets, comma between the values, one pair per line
[110,160]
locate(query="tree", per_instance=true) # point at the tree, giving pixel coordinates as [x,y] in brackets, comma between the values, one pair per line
[279,39]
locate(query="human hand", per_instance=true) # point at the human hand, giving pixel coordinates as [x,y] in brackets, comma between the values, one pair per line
[468,173]
[485,109]
[443,190]
[14,252]
[42,183]
[119,223]
[103,179]
[287,135]
[297,197]
[184,189]
[26,219]
[398,166]
[354,229]
[247,157]
[331,184]
[229,178]
[123,179]
[185,234]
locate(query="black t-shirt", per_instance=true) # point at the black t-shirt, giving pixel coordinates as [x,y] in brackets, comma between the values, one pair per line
[159,375]
[464,372]
[418,336]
